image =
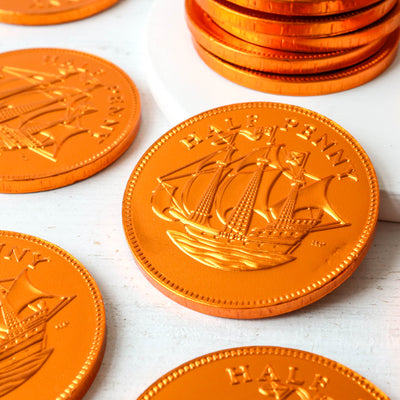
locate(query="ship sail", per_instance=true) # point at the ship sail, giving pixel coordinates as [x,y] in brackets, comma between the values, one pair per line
[230,209]
[22,293]
[34,80]
[23,334]
[310,197]
[265,172]
[178,191]
[53,115]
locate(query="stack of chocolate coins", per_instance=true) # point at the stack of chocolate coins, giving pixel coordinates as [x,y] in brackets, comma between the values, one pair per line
[296,47]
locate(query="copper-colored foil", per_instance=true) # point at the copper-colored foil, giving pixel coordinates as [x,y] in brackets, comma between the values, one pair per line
[46,12]
[53,327]
[65,116]
[251,210]
[262,372]
[245,54]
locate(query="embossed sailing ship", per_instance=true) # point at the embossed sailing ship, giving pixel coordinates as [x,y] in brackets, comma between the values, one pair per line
[38,112]
[24,314]
[245,211]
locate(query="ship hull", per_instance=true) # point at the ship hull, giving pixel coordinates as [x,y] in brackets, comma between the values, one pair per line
[227,256]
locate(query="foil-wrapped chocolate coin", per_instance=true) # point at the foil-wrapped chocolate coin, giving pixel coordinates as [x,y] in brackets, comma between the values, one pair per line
[306,8]
[64,115]
[251,210]
[262,373]
[378,30]
[306,84]
[221,11]
[245,54]
[52,335]
[46,12]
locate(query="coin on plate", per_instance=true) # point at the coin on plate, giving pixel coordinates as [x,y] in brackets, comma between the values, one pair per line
[279,25]
[262,373]
[378,30]
[236,51]
[311,84]
[52,335]
[251,210]
[46,12]
[64,115]
[306,8]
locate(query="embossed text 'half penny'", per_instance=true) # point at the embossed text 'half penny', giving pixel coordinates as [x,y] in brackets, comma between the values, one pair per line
[259,373]
[256,209]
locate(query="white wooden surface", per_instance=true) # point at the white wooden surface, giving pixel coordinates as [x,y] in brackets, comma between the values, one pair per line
[148,334]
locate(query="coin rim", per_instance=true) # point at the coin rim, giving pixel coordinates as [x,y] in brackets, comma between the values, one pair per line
[312,292]
[75,172]
[306,84]
[383,27]
[55,17]
[261,58]
[83,379]
[322,26]
[306,8]
[209,358]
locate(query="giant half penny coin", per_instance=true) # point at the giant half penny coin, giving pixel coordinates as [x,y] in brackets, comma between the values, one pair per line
[251,210]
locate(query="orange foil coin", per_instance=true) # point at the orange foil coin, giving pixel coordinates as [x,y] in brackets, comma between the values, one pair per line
[64,115]
[272,24]
[306,85]
[245,54]
[304,7]
[255,209]
[262,373]
[52,336]
[378,30]
[46,12]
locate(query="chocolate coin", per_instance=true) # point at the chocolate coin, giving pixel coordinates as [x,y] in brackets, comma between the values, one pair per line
[262,373]
[64,115]
[46,12]
[52,335]
[251,210]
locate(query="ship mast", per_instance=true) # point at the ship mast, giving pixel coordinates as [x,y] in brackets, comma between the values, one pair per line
[284,220]
[11,322]
[45,80]
[239,221]
[203,209]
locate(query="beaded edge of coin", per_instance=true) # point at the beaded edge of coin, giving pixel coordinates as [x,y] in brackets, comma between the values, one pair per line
[210,358]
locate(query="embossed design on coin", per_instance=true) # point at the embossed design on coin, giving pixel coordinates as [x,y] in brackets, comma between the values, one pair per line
[232,225]
[261,208]
[262,373]
[64,116]
[41,111]
[25,312]
[52,321]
